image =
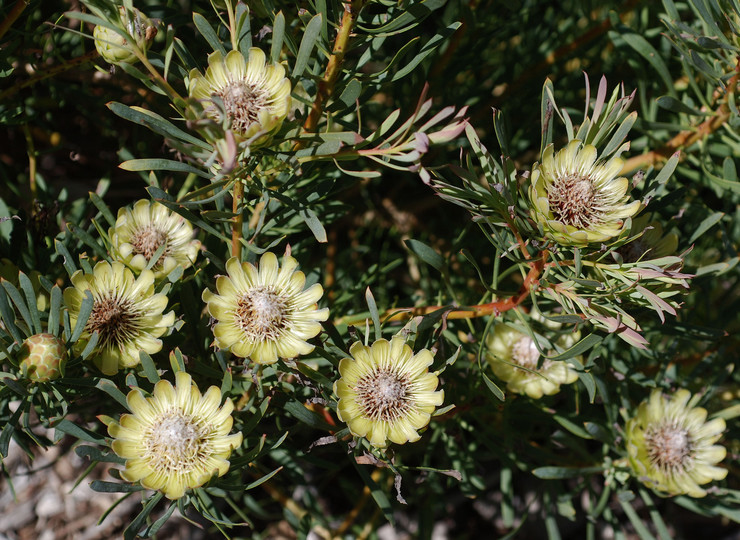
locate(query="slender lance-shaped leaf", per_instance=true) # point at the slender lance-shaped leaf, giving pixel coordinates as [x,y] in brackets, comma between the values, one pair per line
[209,33]
[310,35]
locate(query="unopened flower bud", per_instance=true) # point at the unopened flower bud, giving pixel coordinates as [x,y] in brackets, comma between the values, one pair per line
[115,47]
[42,357]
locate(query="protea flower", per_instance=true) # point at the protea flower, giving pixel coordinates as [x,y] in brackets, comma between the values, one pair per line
[671,445]
[254,96]
[177,439]
[140,232]
[578,200]
[264,313]
[515,359]
[386,392]
[126,313]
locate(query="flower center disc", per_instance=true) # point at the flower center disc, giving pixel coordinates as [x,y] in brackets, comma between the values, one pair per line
[572,201]
[261,313]
[668,446]
[525,353]
[174,443]
[147,240]
[383,394]
[242,102]
[113,319]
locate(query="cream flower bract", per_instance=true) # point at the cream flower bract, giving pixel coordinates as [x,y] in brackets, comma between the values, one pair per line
[671,444]
[265,314]
[386,392]
[514,358]
[177,439]
[255,96]
[578,200]
[126,313]
[141,231]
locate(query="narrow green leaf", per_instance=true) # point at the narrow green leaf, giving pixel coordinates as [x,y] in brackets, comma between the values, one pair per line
[621,134]
[9,428]
[85,310]
[262,480]
[350,93]
[88,240]
[150,370]
[312,220]
[30,294]
[278,35]
[672,104]
[310,35]
[93,453]
[244,31]
[157,164]
[102,207]
[20,304]
[588,381]
[377,493]
[55,306]
[648,52]
[575,429]
[112,390]
[310,418]
[428,48]
[637,522]
[156,123]
[132,531]
[8,317]
[372,306]
[90,345]
[579,348]
[67,259]
[412,16]
[495,390]
[65,426]
[426,254]
[560,473]
[707,223]
[207,31]
[114,487]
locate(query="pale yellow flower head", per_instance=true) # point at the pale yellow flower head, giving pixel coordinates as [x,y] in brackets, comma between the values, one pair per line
[264,313]
[255,95]
[141,231]
[671,444]
[126,313]
[578,200]
[386,392]
[515,359]
[177,439]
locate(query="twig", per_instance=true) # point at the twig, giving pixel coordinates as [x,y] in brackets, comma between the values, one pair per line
[470,312]
[52,71]
[334,67]
[687,137]
[13,14]
[236,227]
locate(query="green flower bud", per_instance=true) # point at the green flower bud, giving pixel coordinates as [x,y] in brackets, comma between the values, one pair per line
[114,47]
[42,357]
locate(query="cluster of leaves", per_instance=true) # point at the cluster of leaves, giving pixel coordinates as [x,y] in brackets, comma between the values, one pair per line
[375,200]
